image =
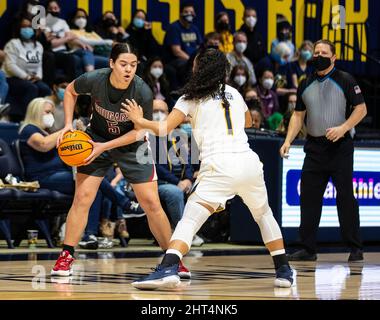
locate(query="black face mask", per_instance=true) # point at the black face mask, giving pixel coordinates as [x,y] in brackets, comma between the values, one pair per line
[284,36]
[55,14]
[109,22]
[321,63]
[253,104]
[211,46]
[222,26]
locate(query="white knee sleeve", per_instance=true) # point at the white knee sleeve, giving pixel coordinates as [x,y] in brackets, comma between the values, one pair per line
[269,227]
[194,216]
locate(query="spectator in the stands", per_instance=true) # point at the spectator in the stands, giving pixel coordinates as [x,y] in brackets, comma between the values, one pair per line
[256,48]
[223,28]
[81,27]
[283,127]
[300,69]
[23,68]
[258,120]
[182,39]
[267,95]
[32,9]
[174,170]
[155,77]
[59,88]
[284,34]
[4,87]
[60,37]
[109,28]
[141,37]
[237,57]
[239,78]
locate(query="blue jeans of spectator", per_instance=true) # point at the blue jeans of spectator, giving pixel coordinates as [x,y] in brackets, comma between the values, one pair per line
[174,201]
[106,197]
[101,62]
[21,92]
[61,181]
[4,87]
[86,56]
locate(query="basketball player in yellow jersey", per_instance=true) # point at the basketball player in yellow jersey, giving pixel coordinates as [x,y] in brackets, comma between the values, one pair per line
[228,166]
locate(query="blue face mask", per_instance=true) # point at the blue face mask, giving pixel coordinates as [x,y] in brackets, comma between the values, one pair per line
[186,127]
[278,59]
[26,33]
[306,55]
[60,94]
[138,23]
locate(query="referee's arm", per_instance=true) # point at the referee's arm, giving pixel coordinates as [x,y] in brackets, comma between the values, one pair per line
[358,113]
[295,125]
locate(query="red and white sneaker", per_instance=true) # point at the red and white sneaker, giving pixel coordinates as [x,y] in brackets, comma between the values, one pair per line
[183,272]
[63,266]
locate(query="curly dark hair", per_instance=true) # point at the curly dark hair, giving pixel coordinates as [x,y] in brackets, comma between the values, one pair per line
[209,77]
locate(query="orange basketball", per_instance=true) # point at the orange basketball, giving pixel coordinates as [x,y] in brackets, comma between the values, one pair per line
[74,148]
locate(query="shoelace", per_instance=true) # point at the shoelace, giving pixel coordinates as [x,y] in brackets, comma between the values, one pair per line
[62,262]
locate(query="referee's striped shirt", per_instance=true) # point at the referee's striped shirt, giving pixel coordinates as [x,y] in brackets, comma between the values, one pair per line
[328,100]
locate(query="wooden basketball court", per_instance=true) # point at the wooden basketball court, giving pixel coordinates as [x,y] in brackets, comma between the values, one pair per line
[242,273]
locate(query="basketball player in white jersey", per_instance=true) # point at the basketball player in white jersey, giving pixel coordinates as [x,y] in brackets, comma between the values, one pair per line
[228,166]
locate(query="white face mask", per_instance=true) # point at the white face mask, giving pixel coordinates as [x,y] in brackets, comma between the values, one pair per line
[251,21]
[159,116]
[268,83]
[156,72]
[81,23]
[240,47]
[48,120]
[240,80]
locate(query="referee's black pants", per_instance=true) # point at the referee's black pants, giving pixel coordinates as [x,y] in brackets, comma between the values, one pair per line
[325,159]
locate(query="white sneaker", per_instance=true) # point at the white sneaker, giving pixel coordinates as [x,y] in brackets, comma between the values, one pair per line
[197,241]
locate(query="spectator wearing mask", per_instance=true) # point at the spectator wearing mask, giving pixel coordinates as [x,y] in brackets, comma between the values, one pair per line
[59,88]
[256,48]
[23,68]
[109,28]
[284,34]
[60,37]
[237,57]
[267,95]
[223,28]
[182,39]
[300,69]
[80,27]
[174,170]
[155,77]
[239,78]
[252,99]
[141,37]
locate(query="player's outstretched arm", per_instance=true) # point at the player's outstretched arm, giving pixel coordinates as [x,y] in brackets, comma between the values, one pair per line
[159,128]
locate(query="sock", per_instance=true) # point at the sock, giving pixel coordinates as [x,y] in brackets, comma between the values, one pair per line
[171,257]
[279,258]
[70,249]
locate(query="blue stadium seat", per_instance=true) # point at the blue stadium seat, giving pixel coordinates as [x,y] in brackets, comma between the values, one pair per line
[15,201]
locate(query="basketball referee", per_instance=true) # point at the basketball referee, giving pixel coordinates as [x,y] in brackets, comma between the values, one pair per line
[334,105]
